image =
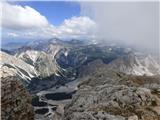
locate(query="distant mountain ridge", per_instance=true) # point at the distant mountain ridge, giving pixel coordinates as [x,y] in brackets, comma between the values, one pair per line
[137,65]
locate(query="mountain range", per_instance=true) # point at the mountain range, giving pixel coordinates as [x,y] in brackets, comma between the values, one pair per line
[55,67]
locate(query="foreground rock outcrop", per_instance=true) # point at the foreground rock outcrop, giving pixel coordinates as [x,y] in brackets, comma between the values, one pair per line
[110,95]
[15,100]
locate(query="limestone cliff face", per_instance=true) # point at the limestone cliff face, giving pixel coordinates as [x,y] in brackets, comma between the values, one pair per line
[15,100]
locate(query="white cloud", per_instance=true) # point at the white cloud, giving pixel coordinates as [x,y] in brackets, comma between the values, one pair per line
[26,22]
[77,26]
[18,17]
[12,34]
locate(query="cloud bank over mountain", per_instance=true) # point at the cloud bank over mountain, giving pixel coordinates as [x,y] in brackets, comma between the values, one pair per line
[26,22]
[131,23]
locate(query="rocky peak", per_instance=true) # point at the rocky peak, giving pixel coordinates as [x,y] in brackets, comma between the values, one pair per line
[12,65]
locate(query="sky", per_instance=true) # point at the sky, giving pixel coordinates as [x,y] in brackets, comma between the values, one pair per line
[30,20]
[56,12]
[131,23]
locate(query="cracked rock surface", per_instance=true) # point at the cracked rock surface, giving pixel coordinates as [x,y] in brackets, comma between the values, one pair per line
[15,100]
[111,95]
